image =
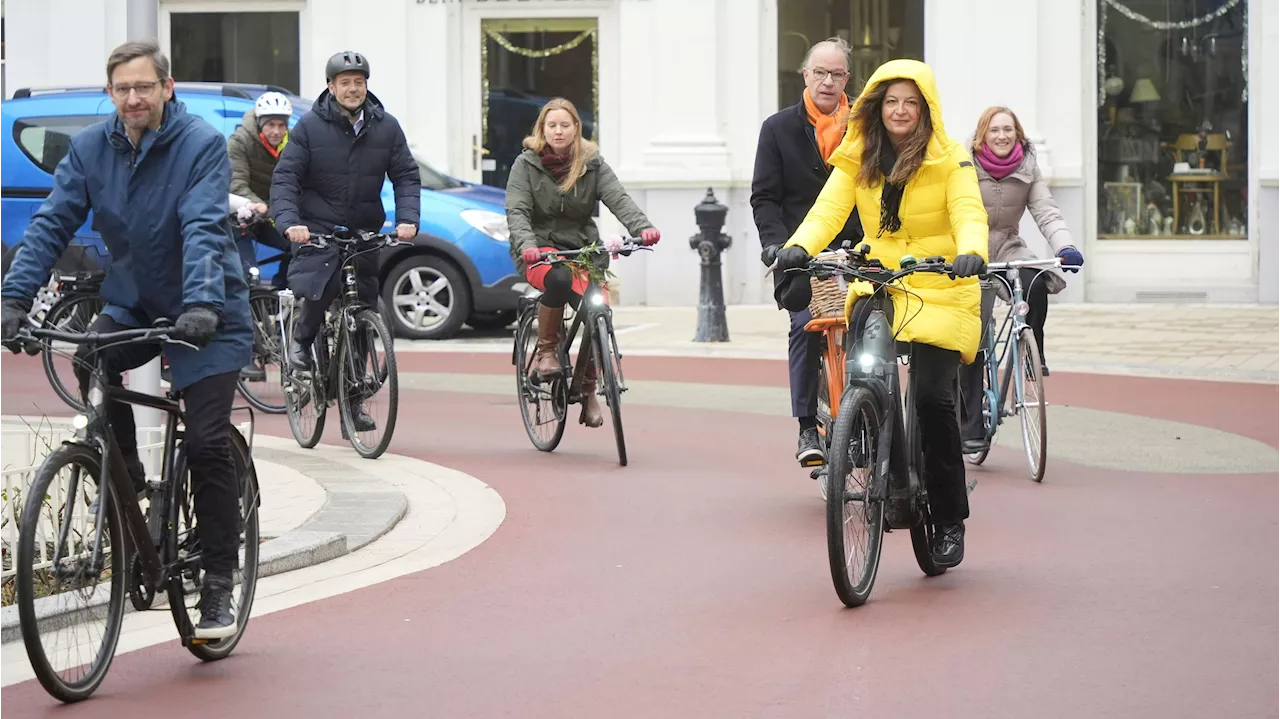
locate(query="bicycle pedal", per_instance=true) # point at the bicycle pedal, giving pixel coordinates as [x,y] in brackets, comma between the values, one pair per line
[814,462]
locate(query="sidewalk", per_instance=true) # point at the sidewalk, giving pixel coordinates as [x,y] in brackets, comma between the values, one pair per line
[1230,342]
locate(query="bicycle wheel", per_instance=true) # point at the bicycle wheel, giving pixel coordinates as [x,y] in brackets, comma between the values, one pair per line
[990,414]
[610,371]
[60,580]
[922,531]
[305,400]
[855,521]
[182,543]
[367,379]
[264,390]
[544,403]
[1031,405]
[73,313]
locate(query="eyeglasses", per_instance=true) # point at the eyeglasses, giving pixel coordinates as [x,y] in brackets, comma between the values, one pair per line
[836,75]
[143,89]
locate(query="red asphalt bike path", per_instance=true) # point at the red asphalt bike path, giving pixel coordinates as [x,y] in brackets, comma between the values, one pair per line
[695,581]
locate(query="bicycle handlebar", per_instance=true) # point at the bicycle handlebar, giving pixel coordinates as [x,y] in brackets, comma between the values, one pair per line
[161,334]
[856,266]
[629,245]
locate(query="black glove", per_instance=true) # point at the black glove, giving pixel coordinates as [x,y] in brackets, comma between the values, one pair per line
[792,257]
[197,325]
[769,254]
[14,314]
[968,266]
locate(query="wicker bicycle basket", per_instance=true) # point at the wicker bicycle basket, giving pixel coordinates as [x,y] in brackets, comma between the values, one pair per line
[828,297]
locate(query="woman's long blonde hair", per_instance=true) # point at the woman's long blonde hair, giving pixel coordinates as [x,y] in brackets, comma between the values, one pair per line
[582,149]
[868,123]
[984,124]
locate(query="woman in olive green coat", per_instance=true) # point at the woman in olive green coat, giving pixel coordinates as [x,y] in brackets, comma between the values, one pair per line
[551,194]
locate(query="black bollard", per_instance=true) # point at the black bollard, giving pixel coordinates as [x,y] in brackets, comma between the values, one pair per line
[710,243]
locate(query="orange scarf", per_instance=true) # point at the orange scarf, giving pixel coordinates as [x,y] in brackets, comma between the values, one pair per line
[829,129]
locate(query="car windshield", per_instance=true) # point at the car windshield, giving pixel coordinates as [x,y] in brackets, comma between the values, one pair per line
[433,179]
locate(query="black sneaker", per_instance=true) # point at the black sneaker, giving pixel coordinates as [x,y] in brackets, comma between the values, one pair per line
[1044,369]
[809,449]
[217,614]
[361,419]
[299,355]
[974,446]
[948,544]
[253,373]
[139,476]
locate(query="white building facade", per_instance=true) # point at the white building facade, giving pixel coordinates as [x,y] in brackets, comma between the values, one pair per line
[1115,94]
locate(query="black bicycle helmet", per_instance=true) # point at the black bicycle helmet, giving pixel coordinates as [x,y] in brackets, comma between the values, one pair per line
[346,61]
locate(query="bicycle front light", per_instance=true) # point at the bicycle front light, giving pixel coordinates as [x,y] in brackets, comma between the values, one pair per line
[492,224]
[866,361]
[597,299]
[1021,309]
[80,421]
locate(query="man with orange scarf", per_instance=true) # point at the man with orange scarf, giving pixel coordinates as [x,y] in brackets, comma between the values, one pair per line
[791,169]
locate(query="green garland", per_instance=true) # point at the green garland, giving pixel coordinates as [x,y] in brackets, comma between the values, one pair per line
[584,263]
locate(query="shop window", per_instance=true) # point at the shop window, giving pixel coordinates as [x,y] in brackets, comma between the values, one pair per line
[1172,122]
[526,62]
[250,47]
[878,30]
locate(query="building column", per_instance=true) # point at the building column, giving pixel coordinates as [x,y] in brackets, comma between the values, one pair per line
[685,143]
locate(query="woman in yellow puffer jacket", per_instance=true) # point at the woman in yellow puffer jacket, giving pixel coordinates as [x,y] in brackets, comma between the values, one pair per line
[930,205]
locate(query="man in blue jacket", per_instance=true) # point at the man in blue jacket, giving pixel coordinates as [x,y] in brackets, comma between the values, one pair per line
[329,175]
[156,180]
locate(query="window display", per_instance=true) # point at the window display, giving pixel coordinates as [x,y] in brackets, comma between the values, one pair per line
[1172,121]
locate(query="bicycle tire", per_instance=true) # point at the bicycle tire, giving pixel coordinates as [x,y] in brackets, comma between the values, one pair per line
[557,391]
[263,305]
[609,370]
[1035,440]
[856,402]
[921,531]
[59,315]
[310,386]
[991,416]
[388,380]
[248,571]
[91,461]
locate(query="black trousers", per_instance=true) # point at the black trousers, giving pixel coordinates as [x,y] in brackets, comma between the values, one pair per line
[311,315]
[1036,292]
[559,288]
[207,415]
[934,394]
[804,357]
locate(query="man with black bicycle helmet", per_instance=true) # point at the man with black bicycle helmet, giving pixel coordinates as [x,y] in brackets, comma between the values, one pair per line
[330,175]
[155,178]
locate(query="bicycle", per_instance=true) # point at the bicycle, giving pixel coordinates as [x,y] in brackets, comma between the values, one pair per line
[351,380]
[137,552]
[827,312]
[544,401]
[871,434]
[78,302]
[1016,342]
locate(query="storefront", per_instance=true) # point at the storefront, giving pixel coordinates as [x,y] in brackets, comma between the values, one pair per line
[1147,115]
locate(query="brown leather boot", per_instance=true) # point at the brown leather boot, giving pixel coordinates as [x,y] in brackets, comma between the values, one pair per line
[591,415]
[545,362]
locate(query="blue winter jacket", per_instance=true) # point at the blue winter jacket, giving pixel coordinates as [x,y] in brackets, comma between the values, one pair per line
[162,211]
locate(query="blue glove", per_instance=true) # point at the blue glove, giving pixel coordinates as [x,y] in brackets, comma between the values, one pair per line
[1071,256]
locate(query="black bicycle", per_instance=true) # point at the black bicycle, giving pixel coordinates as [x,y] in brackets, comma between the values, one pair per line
[77,305]
[357,338]
[85,541]
[873,478]
[544,401]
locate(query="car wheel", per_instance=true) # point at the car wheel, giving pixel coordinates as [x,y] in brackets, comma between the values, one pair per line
[427,297]
[492,320]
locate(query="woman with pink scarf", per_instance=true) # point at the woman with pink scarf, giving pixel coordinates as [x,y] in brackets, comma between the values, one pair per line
[1011,183]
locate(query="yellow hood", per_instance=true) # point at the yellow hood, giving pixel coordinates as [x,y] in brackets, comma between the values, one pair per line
[849,155]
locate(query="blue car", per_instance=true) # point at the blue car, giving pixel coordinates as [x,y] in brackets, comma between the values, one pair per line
[457,270]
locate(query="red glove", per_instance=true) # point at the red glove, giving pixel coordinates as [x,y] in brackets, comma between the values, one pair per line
[650,236]
[531,255]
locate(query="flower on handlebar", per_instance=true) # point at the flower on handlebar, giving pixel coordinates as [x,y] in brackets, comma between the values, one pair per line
[244,214]
[614,244]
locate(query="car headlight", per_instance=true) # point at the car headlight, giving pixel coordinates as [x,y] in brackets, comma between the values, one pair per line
[493,224]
